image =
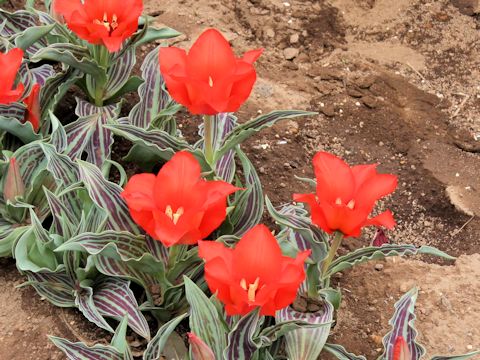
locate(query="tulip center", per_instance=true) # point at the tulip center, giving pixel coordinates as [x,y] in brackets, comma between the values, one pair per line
[109,25]
[174,216]
[251,289]
[350,204]
[210,81]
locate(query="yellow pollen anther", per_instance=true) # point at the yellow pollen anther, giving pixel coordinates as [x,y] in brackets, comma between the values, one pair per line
[338,201]
[174,216]
[110,26]
[351,204]
[252,288]
[210,81]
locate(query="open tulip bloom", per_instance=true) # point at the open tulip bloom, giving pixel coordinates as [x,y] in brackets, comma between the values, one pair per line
[253,274]
[101,22]
[209,79]
[9,66]
[177,206]
[346,195]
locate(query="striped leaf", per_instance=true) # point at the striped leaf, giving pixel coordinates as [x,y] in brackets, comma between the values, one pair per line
[80,351]
[204,319]
[153,96]
[42,73]
[53,91]
[74,56]
[341,353]
[63,169]
[13,111]
[57,287]
[84,302]
[9,235]
[248,203]
[457,357]
[100,143]
[376,253]
[113,298]
[402,324]
[241,343]
[31,36]
[79,134]
[16,23]
[306,344]
[157,344]
[247,129]
[106,195]
[63,219]
[116,244]
[119,72]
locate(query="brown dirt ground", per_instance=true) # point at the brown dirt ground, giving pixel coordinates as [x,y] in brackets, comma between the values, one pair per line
[395,82]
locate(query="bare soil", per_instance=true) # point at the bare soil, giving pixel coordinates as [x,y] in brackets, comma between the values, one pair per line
[395,82]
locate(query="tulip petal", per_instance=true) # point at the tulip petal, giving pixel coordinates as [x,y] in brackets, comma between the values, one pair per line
[176,181]
[9,65]
[362,173]
[316,212]
[112,43]
[67,7]
[210,56]
[375,188]
[385,219]
[334,178]
[258,255]
[252,55]
[138,192]
[33,107]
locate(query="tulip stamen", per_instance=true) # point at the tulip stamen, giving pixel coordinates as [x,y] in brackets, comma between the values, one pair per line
[174,216]
[338,201]
[252,288]
[210,81]
[351,204]
[110,26]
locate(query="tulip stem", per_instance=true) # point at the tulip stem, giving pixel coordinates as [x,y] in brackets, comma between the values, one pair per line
[208,121]
[337,240]
[173,255]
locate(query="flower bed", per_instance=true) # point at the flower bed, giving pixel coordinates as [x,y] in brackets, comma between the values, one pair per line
[82,239]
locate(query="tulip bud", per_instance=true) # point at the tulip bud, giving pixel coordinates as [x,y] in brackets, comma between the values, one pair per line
[13,185]
[200,350]
[401,350]
[380,238]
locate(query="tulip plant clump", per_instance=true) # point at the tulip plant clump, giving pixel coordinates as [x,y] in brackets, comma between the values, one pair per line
[181,242]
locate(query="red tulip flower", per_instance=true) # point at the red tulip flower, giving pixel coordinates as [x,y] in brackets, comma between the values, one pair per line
[346,195]
[107,22]
[253,274]
[9,65]
[177,206]
[209,79]
[401,350]
[33,107]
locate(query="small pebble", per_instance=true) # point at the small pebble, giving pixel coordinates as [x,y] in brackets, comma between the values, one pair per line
[379,267]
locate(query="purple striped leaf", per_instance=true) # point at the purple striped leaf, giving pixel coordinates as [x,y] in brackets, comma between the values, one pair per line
[116,244]
[106,195]
[53,91]
[242,132]
[58,137]
[248,204]
[153,96]
[63,169]
[80,351]
[79,134]
[63,219]
[341,353]
[85,303]
[204,319]
[72,55]
[14,111]
[99,146]
[113,298]
[57,287]
[306,344]
[157,249]
[241,343]
[125,270]
[377,253]
[9,235]
[402,324]
[16,23]
[119,72]
[42,73]
[157,344]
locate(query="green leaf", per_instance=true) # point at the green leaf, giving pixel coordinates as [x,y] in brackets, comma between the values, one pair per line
[24,131]
[157,344]
[31,35]
[247,129]
[456,357]
[119,340]
[9,235]
[365,254]
[153,34]
[80,351]
[72,55]
[204,319]
[131,85]
[341,354]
